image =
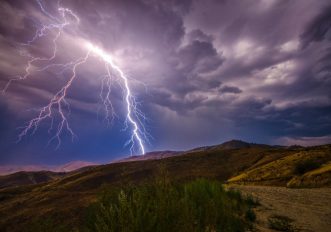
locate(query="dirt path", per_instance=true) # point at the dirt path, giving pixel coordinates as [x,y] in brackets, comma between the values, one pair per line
[309,208]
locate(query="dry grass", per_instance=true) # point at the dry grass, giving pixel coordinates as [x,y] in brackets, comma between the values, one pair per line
[308,208]
[284,171]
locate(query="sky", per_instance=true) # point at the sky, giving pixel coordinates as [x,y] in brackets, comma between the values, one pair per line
[202,72]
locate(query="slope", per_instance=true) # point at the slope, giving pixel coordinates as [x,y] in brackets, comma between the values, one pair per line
[27,178]
[305,167]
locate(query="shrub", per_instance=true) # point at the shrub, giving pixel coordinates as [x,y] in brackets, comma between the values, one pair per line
[200,205]
[306,166]
[252,201]
[250,215]
[280,223]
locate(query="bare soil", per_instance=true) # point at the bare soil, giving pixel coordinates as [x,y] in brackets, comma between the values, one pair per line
[310,209]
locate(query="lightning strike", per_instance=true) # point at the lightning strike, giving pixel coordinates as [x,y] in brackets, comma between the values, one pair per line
[58,105]
[130,102]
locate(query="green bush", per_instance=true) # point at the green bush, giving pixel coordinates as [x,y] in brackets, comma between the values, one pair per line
[200,205]
[306,166]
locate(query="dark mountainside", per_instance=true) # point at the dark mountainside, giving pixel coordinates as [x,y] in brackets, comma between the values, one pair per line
[27,178]
[67,167]
[151,156]
[64,198]
[35,177]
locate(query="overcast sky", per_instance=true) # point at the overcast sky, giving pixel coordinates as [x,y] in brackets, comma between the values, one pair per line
[203,72]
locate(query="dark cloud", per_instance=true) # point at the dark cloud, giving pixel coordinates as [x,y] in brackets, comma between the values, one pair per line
[230,89]
[317,35]
[198,35]
[257,70]
[197,58]
[318,29]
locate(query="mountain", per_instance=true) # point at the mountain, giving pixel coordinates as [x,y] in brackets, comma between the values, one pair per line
[237,144]
[71,166]
[9,169]
[28,178]
[65,198]
[232,144]
[151,156]
[68,167]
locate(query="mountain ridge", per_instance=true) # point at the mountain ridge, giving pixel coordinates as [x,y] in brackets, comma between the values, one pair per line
[67,167]
[50,173]
[231,144]
[77,164]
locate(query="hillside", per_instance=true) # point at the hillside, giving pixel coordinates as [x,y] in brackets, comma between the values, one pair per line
[76,190]
[306,167]
[28,178]
[68,167]
[151,156]
[35,174]
[232,144]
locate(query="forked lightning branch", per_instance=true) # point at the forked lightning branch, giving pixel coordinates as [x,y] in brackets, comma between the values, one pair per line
[58,106]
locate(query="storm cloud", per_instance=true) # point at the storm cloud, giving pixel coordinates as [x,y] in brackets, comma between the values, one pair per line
[203,72]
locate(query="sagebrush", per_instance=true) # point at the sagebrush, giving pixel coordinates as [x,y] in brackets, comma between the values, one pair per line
[200,205]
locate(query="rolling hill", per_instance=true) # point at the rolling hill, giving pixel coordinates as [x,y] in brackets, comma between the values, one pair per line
[234,162]
[68,167]
[307,167]
[28,178]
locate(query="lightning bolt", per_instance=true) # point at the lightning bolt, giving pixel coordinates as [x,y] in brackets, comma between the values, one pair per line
[58,105]
[129,99]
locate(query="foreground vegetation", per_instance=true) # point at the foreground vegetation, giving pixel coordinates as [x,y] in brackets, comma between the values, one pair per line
[200,205]
[197,206]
